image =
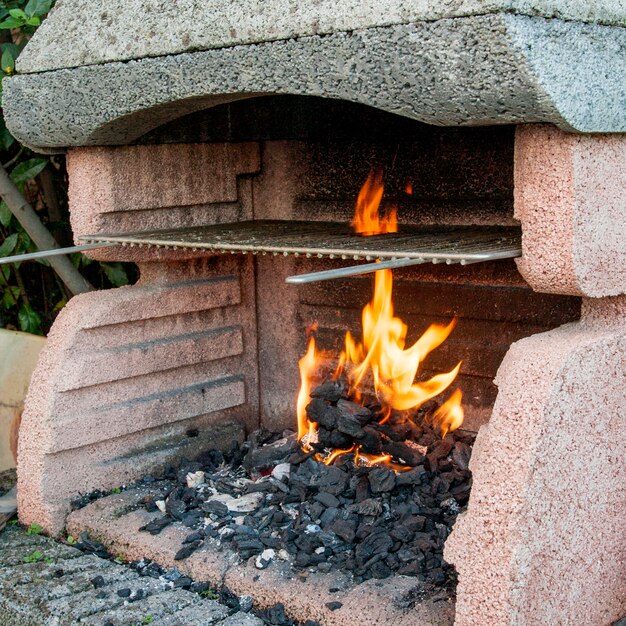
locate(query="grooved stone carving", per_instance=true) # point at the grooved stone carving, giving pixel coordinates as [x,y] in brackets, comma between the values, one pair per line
[127,372]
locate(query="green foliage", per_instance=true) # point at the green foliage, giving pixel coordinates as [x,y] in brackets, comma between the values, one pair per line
[211,594]
[71,541]
[148,619]
[34,557]
[34,529]
[31,294]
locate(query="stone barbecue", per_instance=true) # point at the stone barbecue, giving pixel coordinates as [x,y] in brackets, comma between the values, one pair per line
[494,115]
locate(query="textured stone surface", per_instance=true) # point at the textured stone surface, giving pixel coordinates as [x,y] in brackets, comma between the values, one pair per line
[142,188]
[464,71]
[84,36]
[383,602]
[546,545]
[58,590]
[126,373]
[569,197]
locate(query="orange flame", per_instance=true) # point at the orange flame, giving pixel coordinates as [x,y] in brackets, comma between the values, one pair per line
[449,416]
[307,366]
[382,353]
[367,220]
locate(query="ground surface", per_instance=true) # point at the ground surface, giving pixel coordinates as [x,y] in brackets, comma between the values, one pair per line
[43,582]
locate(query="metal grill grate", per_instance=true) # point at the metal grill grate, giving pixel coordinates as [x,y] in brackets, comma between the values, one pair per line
[451,244]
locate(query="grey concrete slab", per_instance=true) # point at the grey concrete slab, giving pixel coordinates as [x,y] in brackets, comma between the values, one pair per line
[492,69]
[81,32]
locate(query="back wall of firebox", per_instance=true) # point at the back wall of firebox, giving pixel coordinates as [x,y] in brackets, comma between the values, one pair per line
[315,155]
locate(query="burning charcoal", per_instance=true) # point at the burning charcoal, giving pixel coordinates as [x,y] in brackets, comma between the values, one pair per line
[327,499]
[361,414]
[381,480]
[403,453]
[461,455]
[155,526]
[269,455]
[330,390]
[438,451]
[371,441]
[339,440]
[411,477]
[322,413]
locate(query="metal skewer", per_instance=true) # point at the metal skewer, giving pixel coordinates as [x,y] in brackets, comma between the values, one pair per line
[42,254]
[368,268]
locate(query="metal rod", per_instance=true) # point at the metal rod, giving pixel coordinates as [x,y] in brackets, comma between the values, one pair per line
[368,268]
[43,254]
[30,222]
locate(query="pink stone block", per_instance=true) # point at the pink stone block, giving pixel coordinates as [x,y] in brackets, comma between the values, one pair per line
[544,538]
[127,372]
[569,197]
[125,189]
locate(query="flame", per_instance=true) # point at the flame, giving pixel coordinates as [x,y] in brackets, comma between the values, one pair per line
[383,355]
[449,416]
[409,188]
[307,365]
[381,358]
[367,220]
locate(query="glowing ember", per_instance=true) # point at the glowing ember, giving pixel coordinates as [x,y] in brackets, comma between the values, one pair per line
[367,220]
[381,361]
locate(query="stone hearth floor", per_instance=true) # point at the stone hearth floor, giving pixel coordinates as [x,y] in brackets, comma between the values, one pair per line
[329,599]
[43,582]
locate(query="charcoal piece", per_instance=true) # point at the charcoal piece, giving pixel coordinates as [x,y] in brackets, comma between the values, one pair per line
[124,593]
[410,569]
[376,543]
[328,516]
[269,455]
[322,413]
[317,508]
[371,441]
[403,453]
[187,550]
[183,582]
[215,507]
[380,570]
[193,537]
[381,480]
[327,499]
[339,440]
[330,479]
[362,490]
[411,477]
[308,543]
[276,616]
[331,390]
[155,526]
[370,507]
[351,416]
[414,523]
[97,582]
[192,518]
[334,605]
[438,451]
[402,533]
[174,506]
[461,455]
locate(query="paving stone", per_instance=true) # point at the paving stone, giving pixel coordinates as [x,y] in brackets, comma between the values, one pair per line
[242,619]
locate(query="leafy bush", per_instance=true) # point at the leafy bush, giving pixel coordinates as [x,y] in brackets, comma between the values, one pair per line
[31,293]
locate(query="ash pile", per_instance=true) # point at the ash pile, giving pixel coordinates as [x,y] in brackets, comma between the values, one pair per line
[274,499]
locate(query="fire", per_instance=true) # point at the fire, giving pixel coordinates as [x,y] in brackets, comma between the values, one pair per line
[381,361]
[367,220]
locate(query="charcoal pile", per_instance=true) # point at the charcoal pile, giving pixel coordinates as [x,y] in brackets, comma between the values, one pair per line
[272,499]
